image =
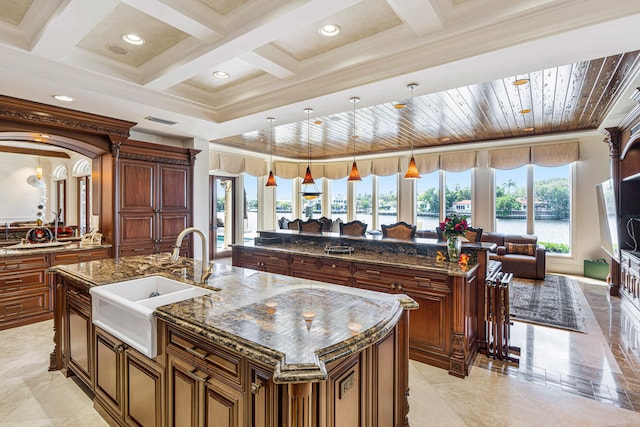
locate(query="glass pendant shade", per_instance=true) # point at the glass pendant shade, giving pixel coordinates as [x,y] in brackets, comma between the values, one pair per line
[354,175]
[271,181]
[412,170]
[308,179]
[39,172]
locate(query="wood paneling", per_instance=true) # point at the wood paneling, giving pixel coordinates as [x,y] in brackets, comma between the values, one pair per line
[568,98]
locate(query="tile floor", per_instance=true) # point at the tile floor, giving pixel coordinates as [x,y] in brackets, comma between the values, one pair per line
[564,378]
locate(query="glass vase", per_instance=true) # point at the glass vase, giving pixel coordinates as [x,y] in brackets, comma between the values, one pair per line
[454,245]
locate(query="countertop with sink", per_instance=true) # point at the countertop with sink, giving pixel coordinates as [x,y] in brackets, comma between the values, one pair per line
[292,324]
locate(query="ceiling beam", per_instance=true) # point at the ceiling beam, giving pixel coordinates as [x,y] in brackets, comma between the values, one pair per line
[70,24]
[273,61]
[203,24]
[271,25]
[420,15]
[33,152]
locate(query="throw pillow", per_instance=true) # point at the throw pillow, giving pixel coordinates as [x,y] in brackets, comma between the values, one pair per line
[521,248]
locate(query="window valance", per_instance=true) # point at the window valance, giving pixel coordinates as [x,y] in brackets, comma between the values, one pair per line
[541,155]
[458,162]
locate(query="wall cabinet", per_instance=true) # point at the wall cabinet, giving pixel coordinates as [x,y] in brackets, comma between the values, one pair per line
[153,191]
[129,387]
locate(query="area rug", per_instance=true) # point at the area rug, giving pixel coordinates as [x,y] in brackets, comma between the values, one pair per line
[549,302]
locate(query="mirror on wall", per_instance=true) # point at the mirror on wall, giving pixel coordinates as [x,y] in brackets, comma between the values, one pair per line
[43,183]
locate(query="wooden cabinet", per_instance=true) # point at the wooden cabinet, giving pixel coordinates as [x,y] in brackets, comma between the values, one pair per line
[430,325]
[630,277]
[25,293]
[206,384]
[78,332]
[74,257]
[154,198]
[432,331]
[258,259]
[129,387]
[325,270]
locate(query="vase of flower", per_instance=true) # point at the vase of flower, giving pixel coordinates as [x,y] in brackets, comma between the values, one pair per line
[452,228]
[454,245]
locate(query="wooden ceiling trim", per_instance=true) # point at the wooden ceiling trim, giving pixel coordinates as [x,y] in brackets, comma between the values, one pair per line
[566,98]
[33,152]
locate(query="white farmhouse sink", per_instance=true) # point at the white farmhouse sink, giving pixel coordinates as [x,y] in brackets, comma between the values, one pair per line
[125,309]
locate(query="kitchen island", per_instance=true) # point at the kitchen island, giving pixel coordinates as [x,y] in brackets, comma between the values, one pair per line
[447,330]
[261,349]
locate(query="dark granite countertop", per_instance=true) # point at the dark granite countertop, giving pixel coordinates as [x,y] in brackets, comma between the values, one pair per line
[261,314]
[412,260]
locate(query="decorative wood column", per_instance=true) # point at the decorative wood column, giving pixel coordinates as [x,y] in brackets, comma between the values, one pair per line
[300,405]
[457,360]
[613,139]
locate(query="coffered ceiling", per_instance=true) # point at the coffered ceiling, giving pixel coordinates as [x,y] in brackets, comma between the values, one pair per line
[580,59]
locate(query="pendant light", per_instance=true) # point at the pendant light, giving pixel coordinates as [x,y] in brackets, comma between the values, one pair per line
[309,192]
[39,168]
[412,170]
[271,181]
[354,175]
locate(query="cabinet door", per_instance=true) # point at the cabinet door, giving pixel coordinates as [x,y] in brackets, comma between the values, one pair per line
[173,188]
[223,405]
[262,411]
[109,378]
[137,190]
[144,390]
[185,384]
[79,349]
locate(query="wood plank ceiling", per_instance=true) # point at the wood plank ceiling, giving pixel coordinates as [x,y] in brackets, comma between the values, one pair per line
[568,98]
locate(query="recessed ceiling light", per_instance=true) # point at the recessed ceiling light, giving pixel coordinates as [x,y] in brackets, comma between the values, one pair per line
[525,111]
[329,30]
[133,39]
[445,139]
[221,75]
[64,98]
[520,82]
[528,129]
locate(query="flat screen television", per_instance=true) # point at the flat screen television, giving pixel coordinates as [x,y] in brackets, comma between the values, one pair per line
[608,219]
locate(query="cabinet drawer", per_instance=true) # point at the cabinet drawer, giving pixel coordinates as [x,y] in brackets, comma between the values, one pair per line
[208,357]
[136,250]
[30,303]
[262,261]
[14,282]
[27,262]
[80,256]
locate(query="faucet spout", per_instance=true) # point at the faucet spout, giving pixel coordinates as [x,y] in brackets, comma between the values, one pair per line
[175,253]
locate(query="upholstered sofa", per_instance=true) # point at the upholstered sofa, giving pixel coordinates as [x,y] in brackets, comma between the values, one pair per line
[519,254]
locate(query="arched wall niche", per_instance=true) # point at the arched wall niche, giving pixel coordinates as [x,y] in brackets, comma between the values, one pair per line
[96,137]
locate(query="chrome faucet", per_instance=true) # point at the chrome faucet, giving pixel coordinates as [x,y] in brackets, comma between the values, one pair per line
[175,253]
